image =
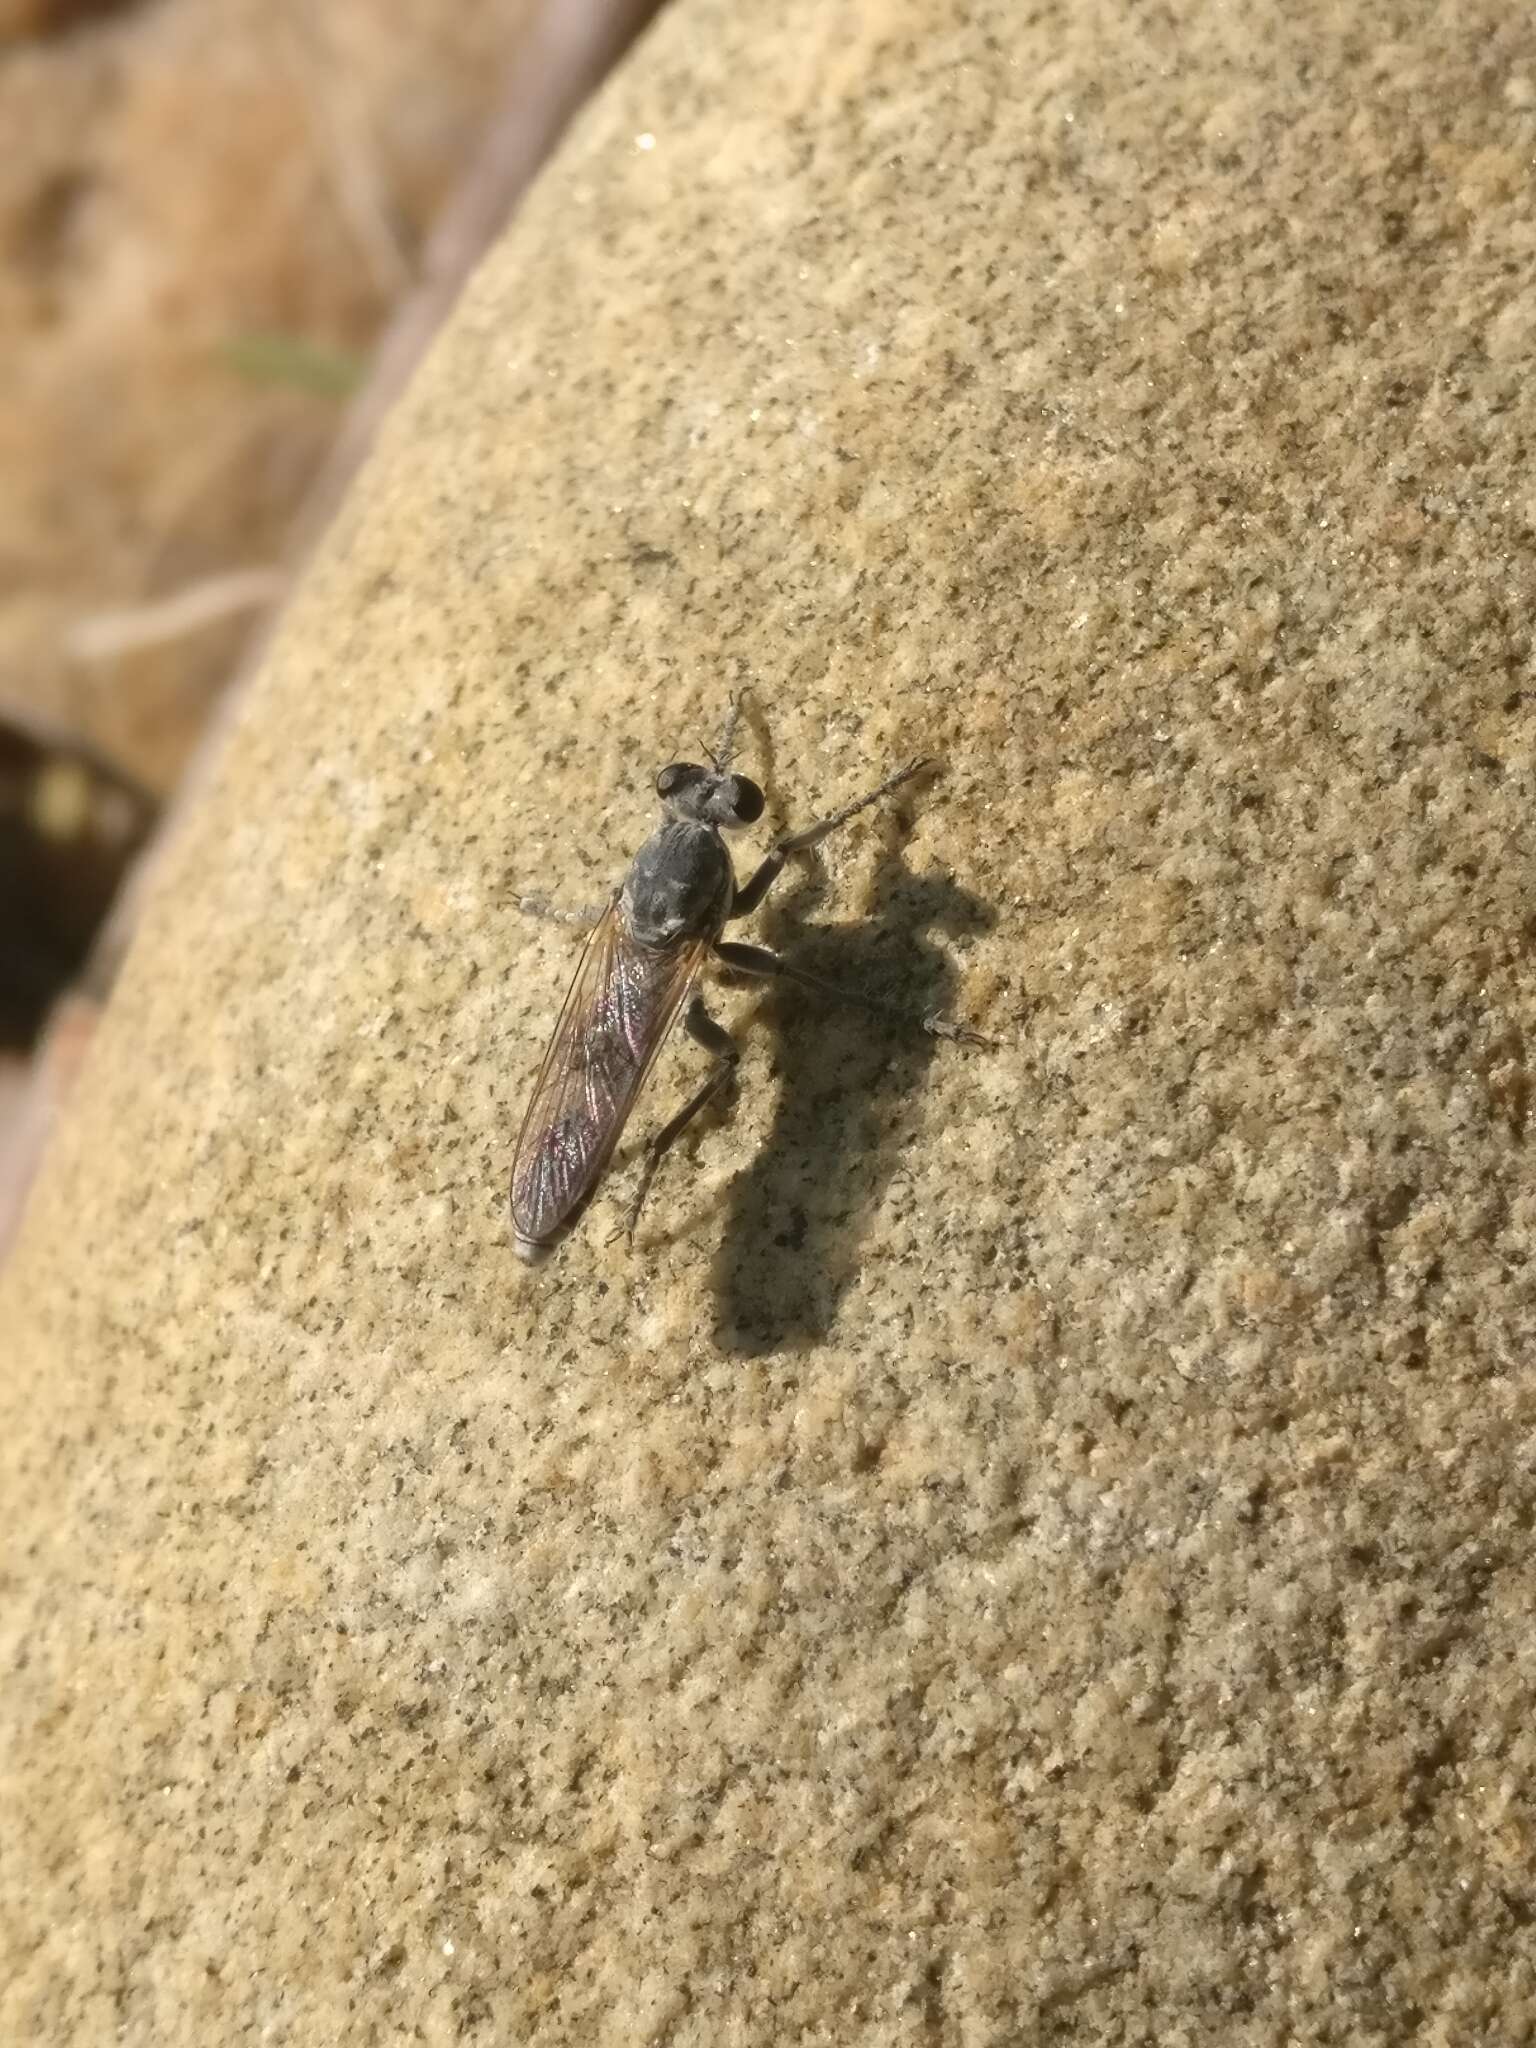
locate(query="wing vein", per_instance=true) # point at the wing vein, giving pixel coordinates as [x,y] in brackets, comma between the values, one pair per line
[622,1003]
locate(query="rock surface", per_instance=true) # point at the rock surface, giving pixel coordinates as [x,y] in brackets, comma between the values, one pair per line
[1034,1545]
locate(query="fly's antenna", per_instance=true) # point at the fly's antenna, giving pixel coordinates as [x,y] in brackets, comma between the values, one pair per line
[723,754]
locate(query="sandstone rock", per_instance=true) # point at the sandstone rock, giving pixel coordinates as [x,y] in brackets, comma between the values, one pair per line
[1035,1544]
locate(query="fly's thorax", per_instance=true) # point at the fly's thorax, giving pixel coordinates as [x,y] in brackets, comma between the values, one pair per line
[679,884]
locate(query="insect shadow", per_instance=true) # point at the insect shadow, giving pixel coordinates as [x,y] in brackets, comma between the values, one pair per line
[799,1213]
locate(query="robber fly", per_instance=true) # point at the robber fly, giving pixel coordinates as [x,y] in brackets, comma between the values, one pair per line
[639,972]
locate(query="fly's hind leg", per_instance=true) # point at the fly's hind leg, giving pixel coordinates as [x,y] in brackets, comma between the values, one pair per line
[714,1038]
[769,967]
[752,892]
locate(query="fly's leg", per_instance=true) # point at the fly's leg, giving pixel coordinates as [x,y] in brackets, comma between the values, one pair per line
[703,1029]
[751,894]
[724,750]
[580,920]
[759,961]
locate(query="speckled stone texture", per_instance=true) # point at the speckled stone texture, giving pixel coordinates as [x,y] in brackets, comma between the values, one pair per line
[1033,1545]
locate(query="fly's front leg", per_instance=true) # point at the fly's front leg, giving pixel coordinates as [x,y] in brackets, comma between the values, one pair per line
[580,920]
[703,1029]
[751,894]
[759,961]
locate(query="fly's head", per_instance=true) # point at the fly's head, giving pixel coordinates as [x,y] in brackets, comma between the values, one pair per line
[706,796]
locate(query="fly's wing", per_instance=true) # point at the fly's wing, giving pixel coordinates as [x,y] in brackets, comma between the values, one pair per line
[623,1002]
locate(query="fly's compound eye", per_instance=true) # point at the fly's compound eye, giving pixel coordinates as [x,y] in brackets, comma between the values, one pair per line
[745,799]
[671,780]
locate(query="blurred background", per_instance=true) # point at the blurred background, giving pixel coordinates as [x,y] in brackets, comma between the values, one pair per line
[227,230]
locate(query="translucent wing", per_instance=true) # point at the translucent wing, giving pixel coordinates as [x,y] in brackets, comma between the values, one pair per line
[622,1003]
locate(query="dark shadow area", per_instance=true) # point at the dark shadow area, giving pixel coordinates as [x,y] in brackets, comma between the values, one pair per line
[70,825]
[799,1212]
